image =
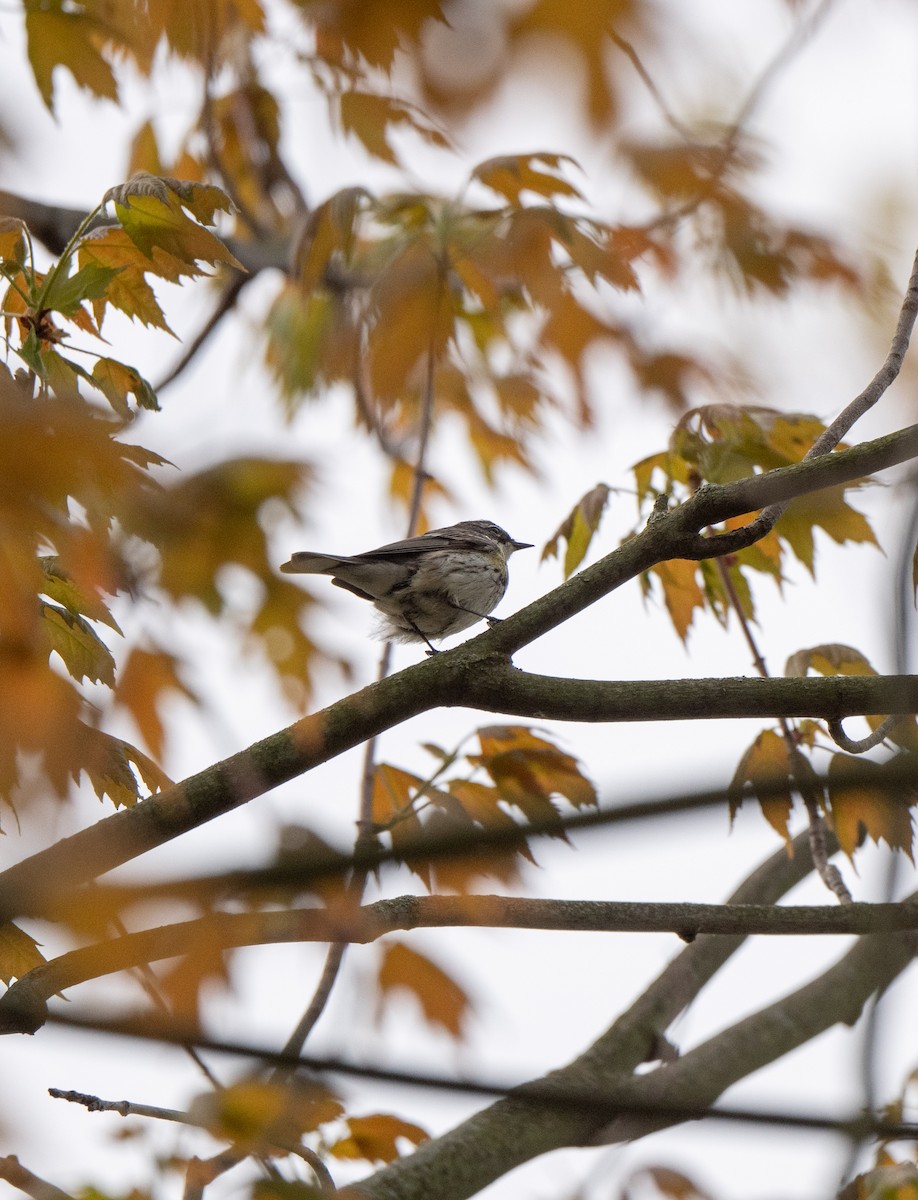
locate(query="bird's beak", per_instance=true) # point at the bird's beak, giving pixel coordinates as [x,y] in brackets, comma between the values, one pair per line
[522,545]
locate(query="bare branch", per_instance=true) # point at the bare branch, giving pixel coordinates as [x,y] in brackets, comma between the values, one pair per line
[373,921]
[18,1176]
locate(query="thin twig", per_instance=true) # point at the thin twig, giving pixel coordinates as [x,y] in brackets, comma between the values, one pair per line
[862,745]
[829,439]
[228,297]
[827,872]
[365,829]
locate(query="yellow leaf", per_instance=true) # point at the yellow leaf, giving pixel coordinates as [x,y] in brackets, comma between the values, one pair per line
[109,764]
[829,511]
[117,382]
[857,808]
[834,659]
[443,1001]
[19,953]
[156,221]
[12,240]
[129,290]
[578,528]
[257,1112]
[375,1138]
[300,329]
[72,40]
[682,592]
[79,647]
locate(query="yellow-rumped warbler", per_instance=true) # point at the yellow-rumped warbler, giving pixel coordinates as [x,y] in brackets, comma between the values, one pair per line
[425,587]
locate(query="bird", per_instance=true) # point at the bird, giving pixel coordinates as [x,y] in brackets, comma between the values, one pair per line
[426,587]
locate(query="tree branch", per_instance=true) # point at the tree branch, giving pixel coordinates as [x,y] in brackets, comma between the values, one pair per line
[510,1132]
[23,1006]
[497,686]
[515,1130]
[446,679]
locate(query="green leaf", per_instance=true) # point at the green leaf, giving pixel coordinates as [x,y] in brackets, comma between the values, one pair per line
[82,651]
[60,587]
[65,294]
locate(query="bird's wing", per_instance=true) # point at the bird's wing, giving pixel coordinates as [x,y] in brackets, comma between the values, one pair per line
[451,537]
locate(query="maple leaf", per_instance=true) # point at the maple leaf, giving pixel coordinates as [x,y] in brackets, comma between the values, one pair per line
[857,807]
[152,212]
[262,1113]
[512,174]
[443,1002]
[578,528]
[766,767]
[375,1138]
[19,953]
[72,39]
[529,770]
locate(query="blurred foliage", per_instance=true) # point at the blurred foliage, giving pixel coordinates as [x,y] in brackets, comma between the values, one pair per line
[478,310]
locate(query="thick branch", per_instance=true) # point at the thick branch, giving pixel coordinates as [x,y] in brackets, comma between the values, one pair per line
[513,1131]
[836,997]
[499,687]
[493,1141]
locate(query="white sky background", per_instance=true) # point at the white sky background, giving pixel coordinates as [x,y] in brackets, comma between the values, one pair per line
[842,120]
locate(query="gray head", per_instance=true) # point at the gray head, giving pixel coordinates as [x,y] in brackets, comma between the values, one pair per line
[494,532]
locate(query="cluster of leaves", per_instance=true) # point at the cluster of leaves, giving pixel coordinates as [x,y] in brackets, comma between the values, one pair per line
[490,302]
[525,772]
[413,295]
[491,308]
[720,444]
[269,1117]
[78,500]
[778,766]
[515,771]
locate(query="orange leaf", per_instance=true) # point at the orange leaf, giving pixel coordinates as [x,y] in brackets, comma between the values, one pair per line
[183,983]
[766,767]
[512,174]
[443,1001]
[529,770]
[146,681]
[413,320]
[375,1138]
